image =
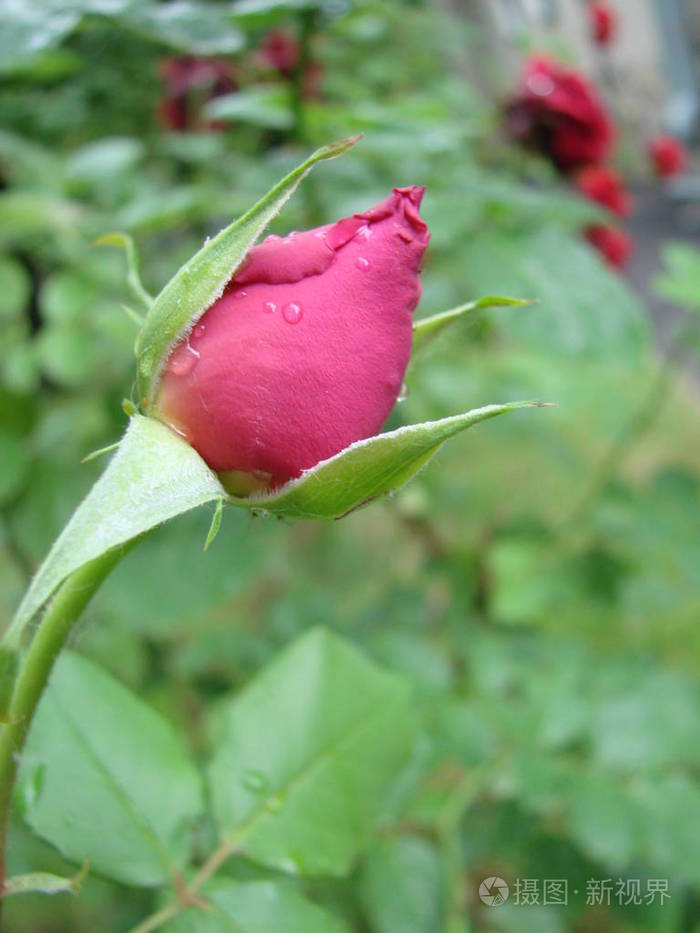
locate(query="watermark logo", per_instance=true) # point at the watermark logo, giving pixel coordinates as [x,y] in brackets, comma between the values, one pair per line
[493,891]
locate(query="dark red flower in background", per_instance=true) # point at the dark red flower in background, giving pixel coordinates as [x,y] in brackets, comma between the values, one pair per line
[615,245]
[603,22]
[280,51]
[558,112]
[668,155]
[189,83]
[604,185]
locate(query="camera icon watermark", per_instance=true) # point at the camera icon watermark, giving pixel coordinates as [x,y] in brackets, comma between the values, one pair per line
[493,891]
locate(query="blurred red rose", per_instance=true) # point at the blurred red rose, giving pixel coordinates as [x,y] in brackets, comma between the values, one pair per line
[615,245]
[603,22]
[280,51]
[558,112]
[668,155]
[189,83]
[604,185]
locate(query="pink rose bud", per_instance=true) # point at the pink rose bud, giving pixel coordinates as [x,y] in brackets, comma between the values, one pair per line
[306,350]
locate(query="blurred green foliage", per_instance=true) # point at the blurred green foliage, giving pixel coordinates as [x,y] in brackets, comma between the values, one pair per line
[523,617]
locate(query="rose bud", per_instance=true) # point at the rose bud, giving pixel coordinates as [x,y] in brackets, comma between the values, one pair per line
[305,351]
[605,186]
[615,245]
[668,155]
[558,112]
[603,22]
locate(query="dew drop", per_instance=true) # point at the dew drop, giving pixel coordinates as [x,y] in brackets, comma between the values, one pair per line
[403,393]
[241,293]
[273,238]
[269,307]
[362,263]
[199,330]
[404,235]
[292,313]
[182,360]
[364,233]
[540,84]
[255,781]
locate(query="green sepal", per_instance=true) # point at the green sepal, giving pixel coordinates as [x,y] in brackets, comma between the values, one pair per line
[427,329]
[155,475]
[133,276]
[370,468]
[215,526]
[197,284]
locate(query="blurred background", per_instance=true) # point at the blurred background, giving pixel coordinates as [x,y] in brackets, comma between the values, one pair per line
[539,583]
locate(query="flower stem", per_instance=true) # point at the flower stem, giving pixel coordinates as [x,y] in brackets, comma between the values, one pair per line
[55,627]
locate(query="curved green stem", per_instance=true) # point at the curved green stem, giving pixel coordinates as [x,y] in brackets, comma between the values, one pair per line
[55,627]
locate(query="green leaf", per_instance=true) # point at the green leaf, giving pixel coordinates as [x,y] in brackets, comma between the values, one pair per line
[584,310]
[43,882]
[306,756]
[104,158]
[401,886]
[153,476]
[369,468]
[680,282]
[203,278]
[427,329]
[30,28]
[198,28]
[261,106]
[107,780]
[15,287]
[254,907]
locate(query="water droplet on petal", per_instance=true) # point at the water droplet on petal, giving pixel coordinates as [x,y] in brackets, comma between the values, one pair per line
[292,313]
[404,235]
[540,84]
[255,781]
[364,233]
[273,238]
[403,393]
[182,360]
[269,307]
[199,330]
[320,234]
[362,263]
[241,293]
